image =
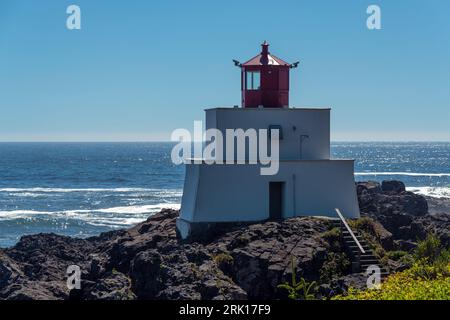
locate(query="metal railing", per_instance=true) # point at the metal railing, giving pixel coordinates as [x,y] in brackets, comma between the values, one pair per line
[350,230]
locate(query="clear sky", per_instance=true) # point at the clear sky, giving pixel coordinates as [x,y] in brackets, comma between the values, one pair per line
[139,69]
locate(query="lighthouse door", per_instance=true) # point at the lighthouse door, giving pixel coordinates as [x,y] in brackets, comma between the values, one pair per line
[275,200]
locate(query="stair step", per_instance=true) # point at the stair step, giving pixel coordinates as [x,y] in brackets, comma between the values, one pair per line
[365,266]
[354,245]
[357,247]
[352,242]
[358,253]
[346,232]
[368,255]
[369,262]
[351,238]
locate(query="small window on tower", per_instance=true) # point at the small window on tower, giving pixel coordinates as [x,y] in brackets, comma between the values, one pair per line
[253,81]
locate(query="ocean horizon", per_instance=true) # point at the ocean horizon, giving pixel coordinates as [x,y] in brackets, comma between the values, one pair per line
[81,189]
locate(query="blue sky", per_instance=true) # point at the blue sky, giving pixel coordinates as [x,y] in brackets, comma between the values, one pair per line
[139,69]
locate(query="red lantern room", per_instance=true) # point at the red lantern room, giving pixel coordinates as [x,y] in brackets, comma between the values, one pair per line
[265,80]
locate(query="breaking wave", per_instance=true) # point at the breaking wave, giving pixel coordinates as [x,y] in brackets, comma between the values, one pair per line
[411,174]
[63,190]
[115,216]
[435,192]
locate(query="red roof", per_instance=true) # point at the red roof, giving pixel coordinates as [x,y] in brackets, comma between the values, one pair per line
[265,58]
[272,60]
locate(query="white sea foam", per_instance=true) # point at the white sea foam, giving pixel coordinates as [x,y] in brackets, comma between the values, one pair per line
[140,209]
[435,192]
[63,190]
[126,215]
[15,214]
[413,174]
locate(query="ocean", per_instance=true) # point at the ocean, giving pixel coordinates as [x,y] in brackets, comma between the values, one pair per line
[83,189]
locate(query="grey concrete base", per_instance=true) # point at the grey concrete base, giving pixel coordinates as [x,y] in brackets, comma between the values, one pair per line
[205,231]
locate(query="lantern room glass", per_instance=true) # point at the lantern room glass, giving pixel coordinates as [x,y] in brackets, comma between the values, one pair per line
[253,80]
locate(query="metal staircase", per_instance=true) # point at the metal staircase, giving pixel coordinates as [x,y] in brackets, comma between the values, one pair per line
[359,252]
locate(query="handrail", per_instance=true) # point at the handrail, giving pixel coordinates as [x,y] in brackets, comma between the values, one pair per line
[349,230]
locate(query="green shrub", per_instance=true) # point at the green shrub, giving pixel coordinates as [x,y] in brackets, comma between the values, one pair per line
[427,279]
[333,238]
[301,290]
[429,249]
[369,231]
[421,282]
[401,256]
[365,223]
[396,255]
[335,265]
[224,261]
[422,270]
[332,234]
[407,260]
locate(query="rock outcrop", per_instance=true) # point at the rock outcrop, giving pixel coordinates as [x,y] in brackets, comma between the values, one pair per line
[402,213]
[149,261]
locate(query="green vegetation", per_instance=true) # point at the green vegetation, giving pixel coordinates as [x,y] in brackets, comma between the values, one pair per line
[333,237]
[401,256]
[396,255]
[224,261]
[223,258]
[301,290]
[335,265]
[336,261]
[407,285]
[427,279]
[431,250]
[369,231]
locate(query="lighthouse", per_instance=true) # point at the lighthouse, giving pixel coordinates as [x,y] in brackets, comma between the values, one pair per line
[307,182]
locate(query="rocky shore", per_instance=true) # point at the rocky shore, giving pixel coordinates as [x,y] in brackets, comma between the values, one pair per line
[149,261]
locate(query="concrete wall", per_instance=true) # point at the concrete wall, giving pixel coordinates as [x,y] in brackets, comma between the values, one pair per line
[239,193]
[294,123]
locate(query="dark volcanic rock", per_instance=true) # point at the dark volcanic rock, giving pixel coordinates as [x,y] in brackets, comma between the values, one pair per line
[405,245]
[375,201]
[402,213]
[395,208]
[393,186]
[262,253]
[149,261]
[438,224]
[342,285]
[369,187]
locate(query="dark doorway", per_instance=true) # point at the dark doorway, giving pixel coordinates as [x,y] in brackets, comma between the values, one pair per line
[276,200]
